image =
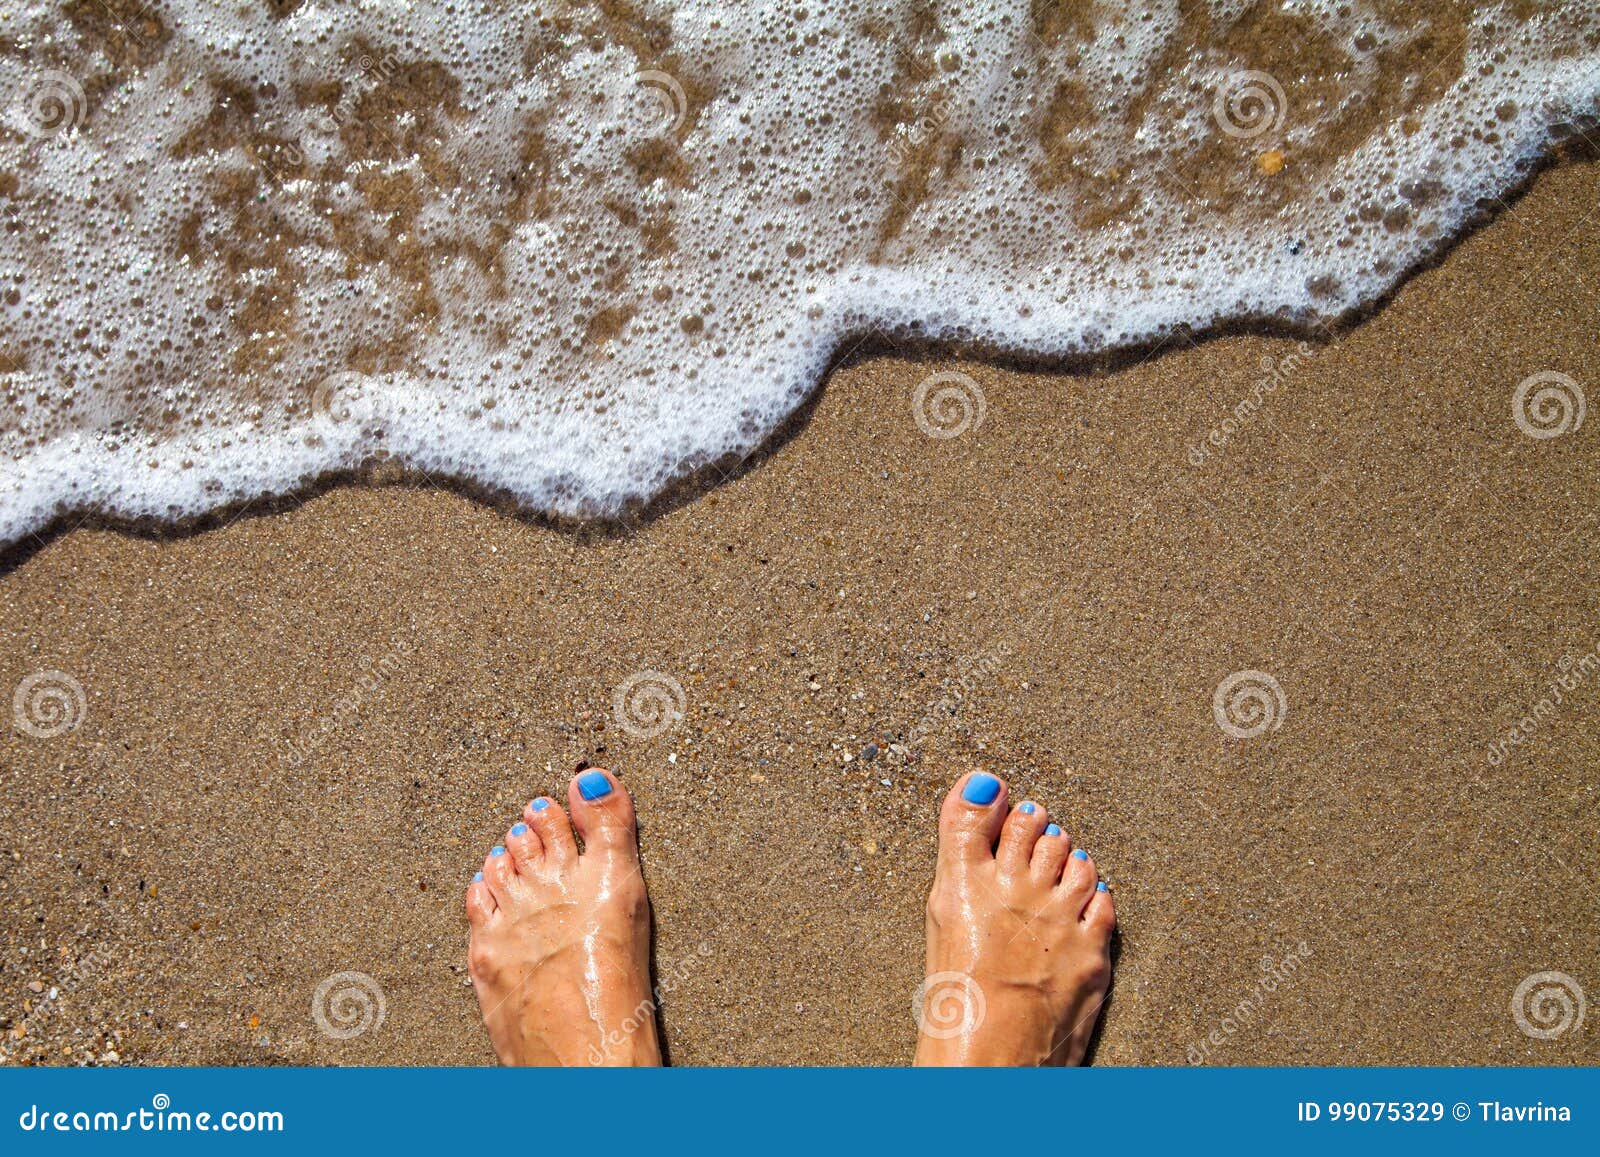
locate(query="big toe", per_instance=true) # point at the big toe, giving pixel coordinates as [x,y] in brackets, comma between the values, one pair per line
[970,820]
[602,811]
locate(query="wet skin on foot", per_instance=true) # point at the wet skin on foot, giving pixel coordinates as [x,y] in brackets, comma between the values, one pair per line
[1018,919]
[559,953]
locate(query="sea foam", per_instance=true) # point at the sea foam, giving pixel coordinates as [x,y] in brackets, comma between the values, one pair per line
[572,251]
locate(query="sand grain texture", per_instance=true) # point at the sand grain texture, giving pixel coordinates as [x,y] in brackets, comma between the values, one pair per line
[1381,538]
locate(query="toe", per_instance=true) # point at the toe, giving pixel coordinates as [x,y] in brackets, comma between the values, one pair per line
[480,902]
[1078,879]
[524,847]
[602,811]
[1021,832]
[499,873]
[1101,914]
[1050,854]
[971,817]
[545,816]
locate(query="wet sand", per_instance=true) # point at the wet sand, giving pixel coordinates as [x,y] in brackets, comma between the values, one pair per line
[1055,594]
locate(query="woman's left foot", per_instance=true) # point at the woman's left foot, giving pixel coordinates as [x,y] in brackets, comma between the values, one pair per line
[1019,936]
[560,951]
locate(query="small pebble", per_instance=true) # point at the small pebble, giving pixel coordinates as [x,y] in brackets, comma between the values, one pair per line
[869,752]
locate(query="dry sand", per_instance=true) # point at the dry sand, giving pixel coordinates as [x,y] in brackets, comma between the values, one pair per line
[1055,594]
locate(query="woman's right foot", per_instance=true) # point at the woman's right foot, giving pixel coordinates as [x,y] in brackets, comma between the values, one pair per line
[560,951]
[1019,937]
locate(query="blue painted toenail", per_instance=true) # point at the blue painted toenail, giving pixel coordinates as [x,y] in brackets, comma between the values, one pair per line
[519,829]
[1027,809]
[497,850]
[1080,854]
[1052,829]
[593,785]
[539,805]
[1100,886]
[477,877]
[981,789]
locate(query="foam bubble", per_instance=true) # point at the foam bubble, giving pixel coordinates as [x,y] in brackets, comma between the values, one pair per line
[571,252]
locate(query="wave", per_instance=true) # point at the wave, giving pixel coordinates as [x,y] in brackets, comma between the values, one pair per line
[573,252]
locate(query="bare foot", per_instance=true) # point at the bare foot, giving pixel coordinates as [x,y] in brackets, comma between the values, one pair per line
[560,952]
[1019,937]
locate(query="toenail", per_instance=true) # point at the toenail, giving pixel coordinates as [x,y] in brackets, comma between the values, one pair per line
[1100,886]
[1052,829]
[1080,854]
[539,805]
[981,789]
[477,877]
[497,850]
[519,829]
[592,785]
[1027,809]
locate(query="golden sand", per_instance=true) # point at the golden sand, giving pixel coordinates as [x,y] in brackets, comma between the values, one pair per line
[1056,594]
